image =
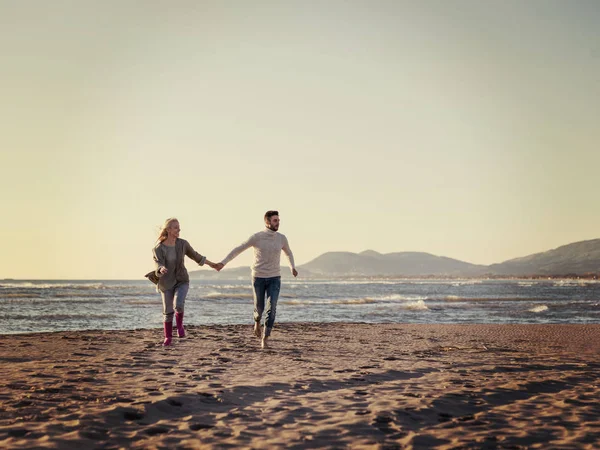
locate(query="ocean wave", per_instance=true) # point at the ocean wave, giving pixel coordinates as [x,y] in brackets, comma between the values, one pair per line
[353,301]
[537,309]
[50,317]
[141,302]
[571,283]
[399,281]
[29,285]
[402,299]
[399,297]
[50,302]
[458,298]
[466,283]
[223,286]
[353,282]
[220,295]
[349,301]
[419,305]
[20,295]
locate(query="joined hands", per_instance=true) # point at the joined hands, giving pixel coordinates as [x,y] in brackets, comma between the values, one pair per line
[216,266]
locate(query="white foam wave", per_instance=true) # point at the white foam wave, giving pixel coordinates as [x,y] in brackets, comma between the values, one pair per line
[29,285]
[419,305]
[398,281]
[225,286]
[222,295]
[402,299]
[465,283]
[399,297]
[350,301]
[537,309]
[569,283]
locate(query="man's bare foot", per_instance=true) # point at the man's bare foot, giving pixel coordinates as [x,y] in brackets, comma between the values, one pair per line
[263,343]
[257,330]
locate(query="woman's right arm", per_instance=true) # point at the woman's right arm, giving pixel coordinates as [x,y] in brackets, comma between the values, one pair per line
[159,261]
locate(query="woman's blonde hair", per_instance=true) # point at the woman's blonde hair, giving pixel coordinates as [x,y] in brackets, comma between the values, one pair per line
[163,234]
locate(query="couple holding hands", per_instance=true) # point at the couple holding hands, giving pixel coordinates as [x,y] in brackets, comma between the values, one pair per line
[173,282]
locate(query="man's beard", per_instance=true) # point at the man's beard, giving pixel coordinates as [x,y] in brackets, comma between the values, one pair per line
[273,227]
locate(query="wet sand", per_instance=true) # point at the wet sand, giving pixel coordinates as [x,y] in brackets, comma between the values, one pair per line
[319,386]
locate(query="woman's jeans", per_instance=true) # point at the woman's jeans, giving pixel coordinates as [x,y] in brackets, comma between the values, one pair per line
[269,288]
[176,296]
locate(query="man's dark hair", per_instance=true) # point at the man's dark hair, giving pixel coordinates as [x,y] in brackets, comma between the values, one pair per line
[270,214]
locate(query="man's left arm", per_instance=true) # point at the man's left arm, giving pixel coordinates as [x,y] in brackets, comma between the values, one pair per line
[290,256]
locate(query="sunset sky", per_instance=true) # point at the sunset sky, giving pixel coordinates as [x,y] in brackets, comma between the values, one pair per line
[467,129]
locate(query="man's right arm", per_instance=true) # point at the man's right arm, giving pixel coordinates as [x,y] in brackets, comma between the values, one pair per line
[239,249]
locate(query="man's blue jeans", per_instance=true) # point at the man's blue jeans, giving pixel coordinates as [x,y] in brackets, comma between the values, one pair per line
[269,288]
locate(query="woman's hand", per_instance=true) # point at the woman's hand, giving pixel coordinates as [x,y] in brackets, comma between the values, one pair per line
[162,270]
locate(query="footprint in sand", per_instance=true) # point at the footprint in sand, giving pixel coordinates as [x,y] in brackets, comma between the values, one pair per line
[99,434]
[18,432]
[444,417]
[174,402]
[205,397]
[152,431]
[133,415]
[200,426]
[42,375]
[383,422]
[22,403]
[195,377]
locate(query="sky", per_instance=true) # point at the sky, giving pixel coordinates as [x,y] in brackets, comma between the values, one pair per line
[466,129]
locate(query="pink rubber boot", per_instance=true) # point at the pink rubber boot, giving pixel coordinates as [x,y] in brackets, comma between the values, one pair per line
[179,322]
[168,333]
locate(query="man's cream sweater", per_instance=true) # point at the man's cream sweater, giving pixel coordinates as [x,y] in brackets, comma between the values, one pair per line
[267,253]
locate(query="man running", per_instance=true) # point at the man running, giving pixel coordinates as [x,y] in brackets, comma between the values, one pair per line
[266,273]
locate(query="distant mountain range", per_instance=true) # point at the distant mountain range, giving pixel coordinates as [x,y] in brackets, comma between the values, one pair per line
[573,259]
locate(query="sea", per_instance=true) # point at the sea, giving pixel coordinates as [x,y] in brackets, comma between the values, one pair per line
[44,306]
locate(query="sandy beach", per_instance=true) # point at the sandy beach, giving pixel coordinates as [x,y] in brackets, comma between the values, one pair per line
[319,386]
